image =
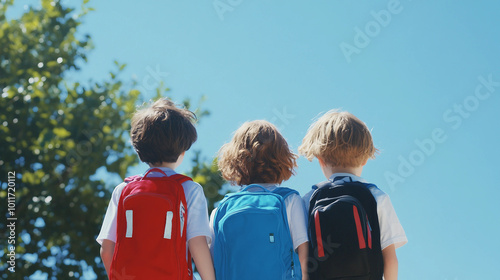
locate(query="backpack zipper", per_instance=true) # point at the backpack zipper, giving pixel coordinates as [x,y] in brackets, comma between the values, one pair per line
[293,264]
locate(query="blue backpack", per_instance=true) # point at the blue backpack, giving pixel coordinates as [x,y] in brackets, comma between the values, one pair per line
[252,238]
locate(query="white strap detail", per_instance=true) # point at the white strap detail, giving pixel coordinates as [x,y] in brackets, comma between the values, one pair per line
[181,216]
[168,225]
[129,216]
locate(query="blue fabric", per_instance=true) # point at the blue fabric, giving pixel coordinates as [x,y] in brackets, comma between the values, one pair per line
[252,237]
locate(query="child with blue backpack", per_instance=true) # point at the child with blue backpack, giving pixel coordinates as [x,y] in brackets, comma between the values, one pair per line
[353,227]
[157,221]
[259,232]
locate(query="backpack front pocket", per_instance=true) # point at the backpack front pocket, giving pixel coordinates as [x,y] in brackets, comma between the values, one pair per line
[251,243]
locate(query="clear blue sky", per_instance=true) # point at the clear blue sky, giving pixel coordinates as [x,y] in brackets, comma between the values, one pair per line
[424,76]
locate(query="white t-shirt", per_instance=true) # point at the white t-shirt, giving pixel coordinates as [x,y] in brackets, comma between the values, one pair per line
[391,231]
[295,212]
[197,221]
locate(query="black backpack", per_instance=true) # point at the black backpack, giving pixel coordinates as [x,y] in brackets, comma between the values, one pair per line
[344,233]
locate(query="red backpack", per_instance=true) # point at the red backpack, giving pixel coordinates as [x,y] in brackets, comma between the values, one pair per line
[151,229]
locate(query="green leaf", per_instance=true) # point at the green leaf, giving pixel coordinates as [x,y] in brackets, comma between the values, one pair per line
[61,132]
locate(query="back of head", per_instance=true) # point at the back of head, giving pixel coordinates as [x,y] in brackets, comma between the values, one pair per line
[258,153]
[161,132]
[339,139]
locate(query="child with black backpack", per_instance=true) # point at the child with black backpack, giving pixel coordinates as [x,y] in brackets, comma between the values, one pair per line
[259,232]
[156,221]
[353,228]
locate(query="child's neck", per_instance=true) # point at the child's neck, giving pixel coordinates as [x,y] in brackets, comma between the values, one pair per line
[329,171]
[171,165]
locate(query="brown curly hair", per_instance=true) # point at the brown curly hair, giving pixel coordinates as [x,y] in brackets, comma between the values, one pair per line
[258,153]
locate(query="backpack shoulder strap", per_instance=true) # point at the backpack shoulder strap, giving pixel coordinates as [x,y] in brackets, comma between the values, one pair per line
[369,185]
[139,177]
[180,178]
[318,187]
[285,192]
[329,183]
[254,186]
[322,184]
[132,178]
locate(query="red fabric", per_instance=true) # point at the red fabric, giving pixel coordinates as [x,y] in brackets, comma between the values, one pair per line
[319,239]
[361,238]
[369,233]
[147,253]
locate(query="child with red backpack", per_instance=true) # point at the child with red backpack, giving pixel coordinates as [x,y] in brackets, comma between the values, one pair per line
[155,222]
[353,228]
[259,232]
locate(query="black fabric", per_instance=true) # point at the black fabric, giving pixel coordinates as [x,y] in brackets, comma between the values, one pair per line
[343,259]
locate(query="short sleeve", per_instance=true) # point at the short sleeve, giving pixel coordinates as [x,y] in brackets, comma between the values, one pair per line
[197,222]
[296,214]
[212,233]
[108,228]
[391,230]
[306,199]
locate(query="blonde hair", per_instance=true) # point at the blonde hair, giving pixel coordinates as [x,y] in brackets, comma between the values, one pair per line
[339,139]
[257,153]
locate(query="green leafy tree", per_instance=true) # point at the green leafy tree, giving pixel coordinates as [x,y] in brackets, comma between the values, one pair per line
[55,137]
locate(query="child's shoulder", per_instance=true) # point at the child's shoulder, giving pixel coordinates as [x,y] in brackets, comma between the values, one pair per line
[308,195]
[191,186]
[291,196]
[286,191]
[119,188]
[377,193]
